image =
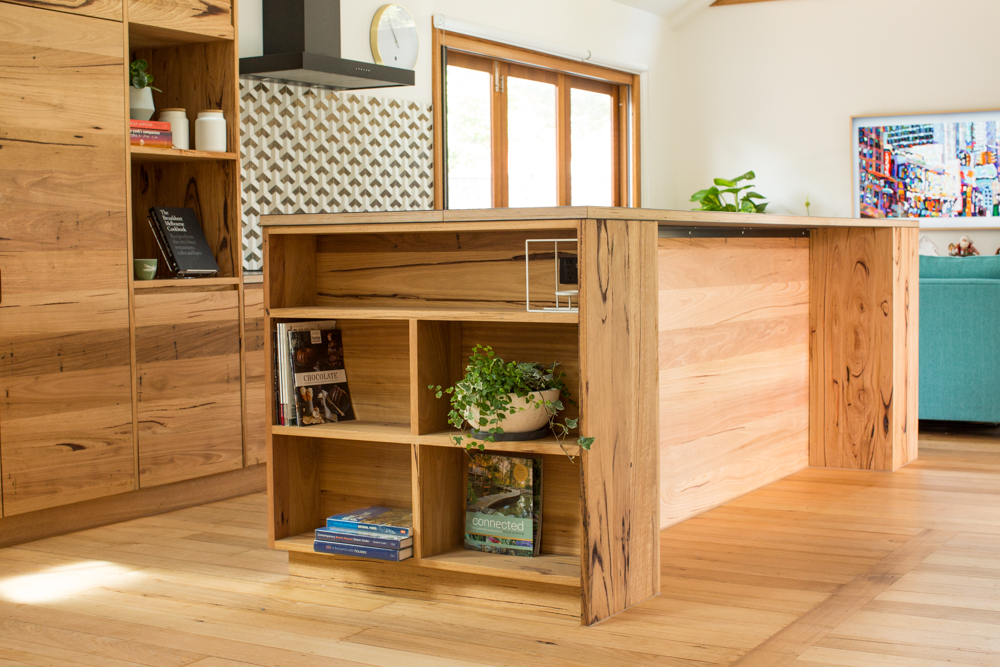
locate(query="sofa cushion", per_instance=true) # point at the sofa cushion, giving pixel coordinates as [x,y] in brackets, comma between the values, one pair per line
[987,267]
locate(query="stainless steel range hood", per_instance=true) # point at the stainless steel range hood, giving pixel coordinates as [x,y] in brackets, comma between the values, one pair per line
[301,44]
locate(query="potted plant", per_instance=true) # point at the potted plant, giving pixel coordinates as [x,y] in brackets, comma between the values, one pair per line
[508,401]
[713,198]
[140,95]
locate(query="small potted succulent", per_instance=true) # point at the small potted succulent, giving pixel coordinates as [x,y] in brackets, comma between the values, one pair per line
[140,95]
[513,400]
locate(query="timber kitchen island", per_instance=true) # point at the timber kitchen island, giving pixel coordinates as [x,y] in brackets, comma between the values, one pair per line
[709,353]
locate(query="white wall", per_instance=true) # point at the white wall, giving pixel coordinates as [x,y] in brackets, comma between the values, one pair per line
[602,26]
[772,86]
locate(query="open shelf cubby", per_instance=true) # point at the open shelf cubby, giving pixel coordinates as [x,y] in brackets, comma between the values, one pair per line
[194,64]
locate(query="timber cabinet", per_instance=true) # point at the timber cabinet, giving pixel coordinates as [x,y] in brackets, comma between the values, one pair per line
[113,386]
[711,354]
[412,300]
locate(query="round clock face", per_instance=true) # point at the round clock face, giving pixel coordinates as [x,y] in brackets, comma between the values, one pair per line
[394,38]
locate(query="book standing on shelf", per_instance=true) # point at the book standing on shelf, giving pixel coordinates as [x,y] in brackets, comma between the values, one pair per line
[321,392]
[285,379]
[503,512]
[381,533]
[182,242]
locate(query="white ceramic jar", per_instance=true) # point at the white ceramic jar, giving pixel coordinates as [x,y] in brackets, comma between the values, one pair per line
[179,126]
[210,131]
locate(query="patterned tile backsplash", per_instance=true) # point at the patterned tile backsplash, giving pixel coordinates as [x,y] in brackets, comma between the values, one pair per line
[308,150]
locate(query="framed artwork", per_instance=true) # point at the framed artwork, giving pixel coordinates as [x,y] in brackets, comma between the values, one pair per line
[940,166]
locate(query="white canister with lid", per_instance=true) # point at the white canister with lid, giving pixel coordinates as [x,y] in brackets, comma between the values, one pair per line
[210,131]
[179,126]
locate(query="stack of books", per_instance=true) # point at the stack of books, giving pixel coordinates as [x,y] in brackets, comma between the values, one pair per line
[380,533]
[311,380]
[151,133]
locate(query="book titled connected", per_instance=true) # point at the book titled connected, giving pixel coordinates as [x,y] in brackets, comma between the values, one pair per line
[363,538]
[361,551]
[503,511]
[375,520]
[182,241]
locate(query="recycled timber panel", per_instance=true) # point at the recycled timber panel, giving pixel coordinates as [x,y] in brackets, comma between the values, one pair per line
[100,9]
[65,363]
[416,269]
[409,580]
[864,371]
[734,368]
[361,474]
[293,487]
[212,18]
[906,343]
[255,364]
[188,356]
[621,522]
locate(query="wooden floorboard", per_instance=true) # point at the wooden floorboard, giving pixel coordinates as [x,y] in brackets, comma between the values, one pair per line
[824,568]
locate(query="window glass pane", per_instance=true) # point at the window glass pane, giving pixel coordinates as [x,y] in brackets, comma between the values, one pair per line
[592,146]
[531,143]
[470,167]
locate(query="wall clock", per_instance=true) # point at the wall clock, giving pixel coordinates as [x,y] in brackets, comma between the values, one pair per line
[394,37]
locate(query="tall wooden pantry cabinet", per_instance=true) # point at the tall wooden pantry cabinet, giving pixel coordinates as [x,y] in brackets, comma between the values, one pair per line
[118,398]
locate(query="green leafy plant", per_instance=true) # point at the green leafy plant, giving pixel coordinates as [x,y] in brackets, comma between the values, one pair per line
[139,77]
[487,387]
[714,198]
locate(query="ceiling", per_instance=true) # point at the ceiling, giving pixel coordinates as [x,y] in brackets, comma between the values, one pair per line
[661,7]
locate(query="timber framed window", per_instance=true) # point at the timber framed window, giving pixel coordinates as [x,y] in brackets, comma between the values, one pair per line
[517,128]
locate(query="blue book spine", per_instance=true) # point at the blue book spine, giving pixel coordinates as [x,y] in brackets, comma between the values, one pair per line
[368,527]
[372,540]
[360,551]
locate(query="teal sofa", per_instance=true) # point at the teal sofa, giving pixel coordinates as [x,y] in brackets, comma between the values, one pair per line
[960,339]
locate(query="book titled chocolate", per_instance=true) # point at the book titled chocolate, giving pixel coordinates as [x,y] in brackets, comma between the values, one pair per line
[182,241]
[320,378]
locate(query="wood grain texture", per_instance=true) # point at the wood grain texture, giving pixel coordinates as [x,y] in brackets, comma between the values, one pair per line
[866,550]
[618,329]
[439,482]
[98,9]
[734,368]
[190,409]
[65,365]
[353,475]
[257,388]
[128,506]
[859,279]
[906,344]
[377,360]
[459,270]
[566,217]
[435,361]
[211,18]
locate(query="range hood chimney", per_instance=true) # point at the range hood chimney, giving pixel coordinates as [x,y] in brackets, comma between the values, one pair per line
[301,44]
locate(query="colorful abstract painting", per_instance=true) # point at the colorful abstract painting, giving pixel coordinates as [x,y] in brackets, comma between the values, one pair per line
[933,166]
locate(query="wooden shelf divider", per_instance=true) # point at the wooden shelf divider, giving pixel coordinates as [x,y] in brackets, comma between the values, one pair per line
[424,313]
[156,154]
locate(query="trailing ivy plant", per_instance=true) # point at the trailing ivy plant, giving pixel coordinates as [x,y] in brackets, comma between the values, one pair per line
[139,77]
[487,387]
[713,199]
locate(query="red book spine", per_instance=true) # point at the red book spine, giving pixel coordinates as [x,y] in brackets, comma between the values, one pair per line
[149,125]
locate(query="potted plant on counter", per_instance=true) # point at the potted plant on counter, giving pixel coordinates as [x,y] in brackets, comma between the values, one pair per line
[140,95]
[713,199]
[513,400]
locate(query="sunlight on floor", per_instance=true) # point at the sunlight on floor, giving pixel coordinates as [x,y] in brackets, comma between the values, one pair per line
[63,581]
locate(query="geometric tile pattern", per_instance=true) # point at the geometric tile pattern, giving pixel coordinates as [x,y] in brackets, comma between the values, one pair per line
[309,150]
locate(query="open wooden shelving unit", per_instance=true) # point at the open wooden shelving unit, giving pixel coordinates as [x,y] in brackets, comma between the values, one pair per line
[189,334]
[411,304]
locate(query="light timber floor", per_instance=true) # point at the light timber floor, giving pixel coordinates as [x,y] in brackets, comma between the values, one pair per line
[822,568]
